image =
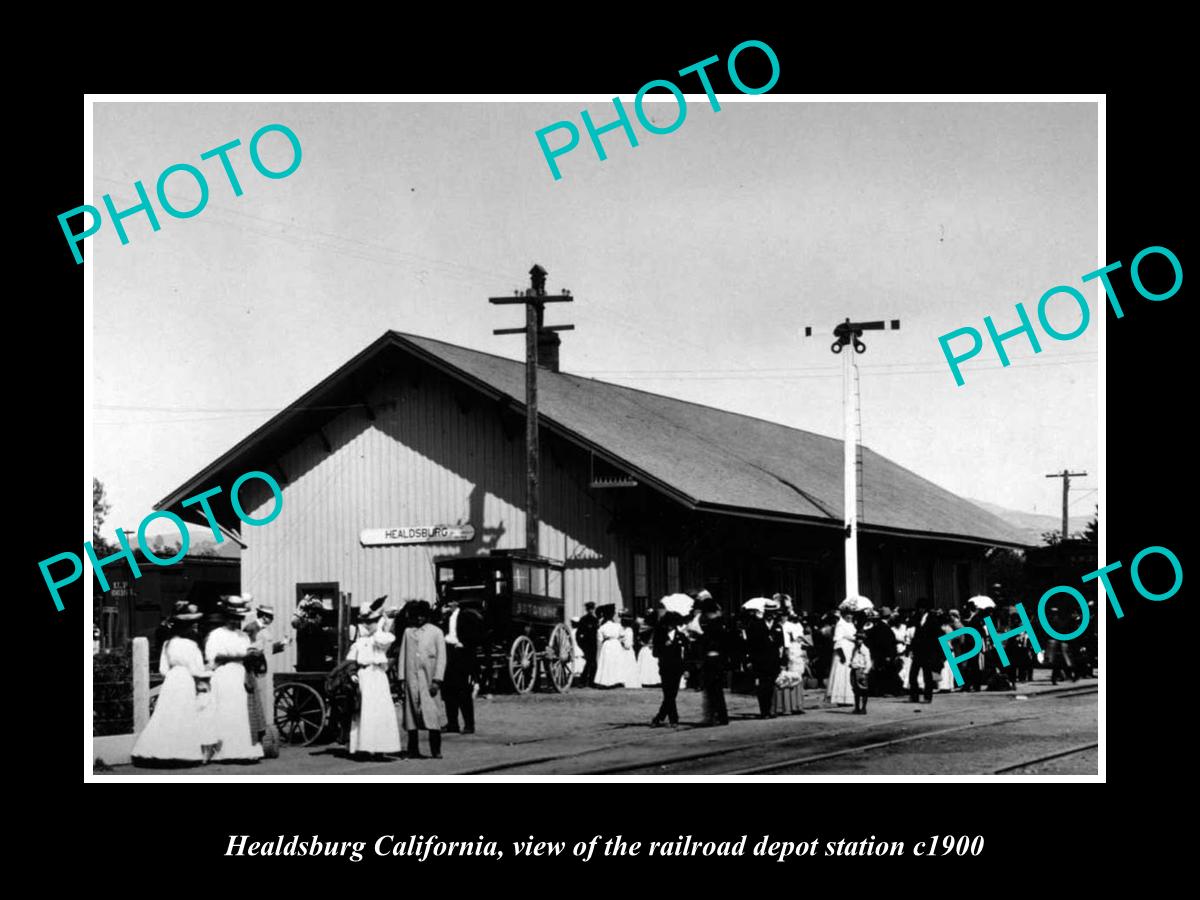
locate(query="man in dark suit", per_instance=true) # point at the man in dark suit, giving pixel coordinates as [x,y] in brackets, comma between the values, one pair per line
[763,651]
[585,636]
[977,670]
[881,641]
[927,655]
[668,644]
[464,634]
[716,646]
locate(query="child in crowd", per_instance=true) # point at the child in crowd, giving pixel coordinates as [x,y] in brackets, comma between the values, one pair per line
[860,667]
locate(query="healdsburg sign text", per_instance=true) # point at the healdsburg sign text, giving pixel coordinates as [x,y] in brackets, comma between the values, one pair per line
[416,534]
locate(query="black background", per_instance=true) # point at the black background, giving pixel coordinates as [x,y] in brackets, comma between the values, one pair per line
[133,832]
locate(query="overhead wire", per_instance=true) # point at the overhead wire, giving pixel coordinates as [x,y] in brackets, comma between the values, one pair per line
[380,248]
[1082,496]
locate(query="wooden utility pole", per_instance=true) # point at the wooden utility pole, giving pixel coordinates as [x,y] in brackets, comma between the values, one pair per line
[1066,477]
[849,334]
[534,299]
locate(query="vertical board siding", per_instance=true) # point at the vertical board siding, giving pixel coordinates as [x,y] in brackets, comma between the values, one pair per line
[424,460]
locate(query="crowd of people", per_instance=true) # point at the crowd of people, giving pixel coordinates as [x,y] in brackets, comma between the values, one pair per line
[692,641]
[415,668]
[853,653]
[406,670]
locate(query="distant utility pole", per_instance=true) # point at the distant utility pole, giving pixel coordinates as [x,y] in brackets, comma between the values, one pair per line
[848,334]
[1066,477]
[534,299]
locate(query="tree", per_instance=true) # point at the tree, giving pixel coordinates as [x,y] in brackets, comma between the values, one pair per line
[100,508]
[1091,533]
[1008,569]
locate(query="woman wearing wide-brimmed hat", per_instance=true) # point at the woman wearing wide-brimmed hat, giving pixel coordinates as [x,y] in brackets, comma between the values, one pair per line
[262,640]
[373,729]
[840,691]
[227,648]
[174,736]
[610,659]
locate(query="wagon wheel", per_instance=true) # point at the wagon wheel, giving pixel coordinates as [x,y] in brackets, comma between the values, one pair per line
[522,664]
[560,658]
[299,713]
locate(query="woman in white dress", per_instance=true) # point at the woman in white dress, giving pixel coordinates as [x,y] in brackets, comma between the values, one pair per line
[647,662]
[946,679]
[629,664]
[904,630]
[610,667]
[794,645]
[226,648]
[840,691]
[374,728]
[175,733]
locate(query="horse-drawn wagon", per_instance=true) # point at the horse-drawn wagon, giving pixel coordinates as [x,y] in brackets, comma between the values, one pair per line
[520,598]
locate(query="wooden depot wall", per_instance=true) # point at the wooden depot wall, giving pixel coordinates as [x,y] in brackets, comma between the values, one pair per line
[436,453]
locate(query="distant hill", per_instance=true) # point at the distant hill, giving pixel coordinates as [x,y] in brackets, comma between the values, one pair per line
[227,549]
[200,544]
[1034,525]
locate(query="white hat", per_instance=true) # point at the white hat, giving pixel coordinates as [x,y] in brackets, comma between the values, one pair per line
[367,613]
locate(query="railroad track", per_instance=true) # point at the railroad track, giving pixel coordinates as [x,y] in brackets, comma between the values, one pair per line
[1082,748]
[717,752]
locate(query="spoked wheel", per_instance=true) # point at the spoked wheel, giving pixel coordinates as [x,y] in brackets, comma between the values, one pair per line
[299,713]
[560,658]
[522,665]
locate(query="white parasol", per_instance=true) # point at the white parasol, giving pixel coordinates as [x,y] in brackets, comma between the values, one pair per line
[982,602]
[760,604]
[677,603]
[857,603]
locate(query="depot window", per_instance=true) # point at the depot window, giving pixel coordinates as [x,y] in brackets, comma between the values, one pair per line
[641,578]
[672,574]
[521,579]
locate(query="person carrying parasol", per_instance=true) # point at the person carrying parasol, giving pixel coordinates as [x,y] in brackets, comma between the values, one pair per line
[668,643]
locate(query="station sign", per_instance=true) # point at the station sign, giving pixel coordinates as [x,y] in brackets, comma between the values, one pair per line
[416,534]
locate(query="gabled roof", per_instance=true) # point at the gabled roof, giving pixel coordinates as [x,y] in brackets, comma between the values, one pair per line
[704,457]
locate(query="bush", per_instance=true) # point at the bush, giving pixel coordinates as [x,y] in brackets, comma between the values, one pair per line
[112,693]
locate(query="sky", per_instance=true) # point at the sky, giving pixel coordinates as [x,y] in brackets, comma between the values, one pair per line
[696,260]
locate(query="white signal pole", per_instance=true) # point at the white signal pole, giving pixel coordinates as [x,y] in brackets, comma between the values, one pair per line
[850,473]
[849,336]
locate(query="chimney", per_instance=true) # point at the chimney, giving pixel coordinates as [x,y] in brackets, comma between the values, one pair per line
[548,343]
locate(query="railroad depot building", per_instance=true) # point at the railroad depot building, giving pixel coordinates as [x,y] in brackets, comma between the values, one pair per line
[415,449]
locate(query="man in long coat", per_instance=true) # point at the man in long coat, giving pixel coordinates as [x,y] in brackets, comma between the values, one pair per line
[422,667]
